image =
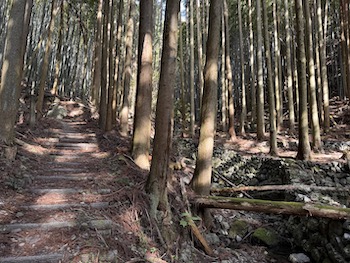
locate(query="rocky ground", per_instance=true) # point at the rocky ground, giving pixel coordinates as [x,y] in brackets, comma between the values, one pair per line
[73,194]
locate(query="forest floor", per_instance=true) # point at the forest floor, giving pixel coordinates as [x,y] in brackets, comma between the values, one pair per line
[73,194]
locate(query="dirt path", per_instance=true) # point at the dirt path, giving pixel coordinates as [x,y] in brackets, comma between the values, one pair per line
[61,213]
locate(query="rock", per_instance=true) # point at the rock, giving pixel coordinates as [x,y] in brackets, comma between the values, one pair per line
[19,214]
[312,224]
[299,258]
[266,236]
[238,228]
[346,237]
[57,112]
[346,225]
[212,238]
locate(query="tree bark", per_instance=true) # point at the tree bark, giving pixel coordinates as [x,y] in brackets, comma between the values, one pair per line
[202,175]
[304,151]
[252,64]
[243,92]
[316,135]
[143,106]
[289,75]
[96,82]
[156,184]
[191,80]
[278,68]
[117,61]
[260,90]
[104,68]
[124,114]
[199,52]
[229,78]
[324,77]
[12,70]
[271,88]
[45,66]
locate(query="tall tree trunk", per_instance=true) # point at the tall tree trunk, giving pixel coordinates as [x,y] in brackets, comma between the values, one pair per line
[156,184]
[143,106]
[191,80]
[324,77]
[96,82]
[344,25]
[200,51]
[229,78]
[12,69]
[59,52]
[318,67]
[278,68]
[271,88]
[111,70]
[104,68]
[224,89]
[252,64]
[260,90]
[124,114]
[289,75]
[316,135]
[45,66]
[304,151]
[244,100]
[182,80]
[202,176]
[117,61]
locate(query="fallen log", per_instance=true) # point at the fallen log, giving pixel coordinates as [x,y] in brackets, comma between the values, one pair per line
[305,188]
[275,207]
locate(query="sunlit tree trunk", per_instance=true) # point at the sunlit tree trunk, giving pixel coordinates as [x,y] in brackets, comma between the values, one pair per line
[316,135]
[229,78]
[143,106]
[12,69]
[304,151]
[202,176]
[45,66]
[59,51]
[156,184]
[324,77]
[124,114]
[271,88]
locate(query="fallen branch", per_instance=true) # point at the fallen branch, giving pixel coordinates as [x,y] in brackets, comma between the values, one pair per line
[305,188]
[192,224]
[275,207]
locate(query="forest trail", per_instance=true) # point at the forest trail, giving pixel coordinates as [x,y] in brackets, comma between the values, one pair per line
[63,210]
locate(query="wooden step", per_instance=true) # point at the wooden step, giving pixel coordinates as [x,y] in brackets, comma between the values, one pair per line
[97,224]
[70,191]
[49,258]
[96,205]
[75,177]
